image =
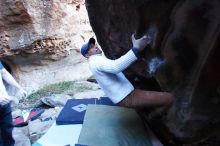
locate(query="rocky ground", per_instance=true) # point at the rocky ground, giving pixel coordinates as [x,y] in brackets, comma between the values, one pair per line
[52,103]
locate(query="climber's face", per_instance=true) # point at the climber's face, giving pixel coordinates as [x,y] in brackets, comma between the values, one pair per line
[94,49]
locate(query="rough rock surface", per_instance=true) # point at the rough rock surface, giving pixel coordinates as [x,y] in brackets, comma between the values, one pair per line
[186,47]
[40,40]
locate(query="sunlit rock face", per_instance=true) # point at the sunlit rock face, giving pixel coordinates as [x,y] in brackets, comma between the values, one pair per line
[185,59]
[40,40]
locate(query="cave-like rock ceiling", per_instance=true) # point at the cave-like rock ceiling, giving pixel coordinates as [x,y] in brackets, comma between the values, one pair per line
[185,56]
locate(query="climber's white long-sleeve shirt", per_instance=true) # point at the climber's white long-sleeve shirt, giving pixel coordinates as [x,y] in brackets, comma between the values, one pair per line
[108,74]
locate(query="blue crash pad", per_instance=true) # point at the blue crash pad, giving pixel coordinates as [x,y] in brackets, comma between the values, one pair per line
[74,110]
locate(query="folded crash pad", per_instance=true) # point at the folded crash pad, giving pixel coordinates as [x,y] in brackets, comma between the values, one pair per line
[113,126]
[74,110]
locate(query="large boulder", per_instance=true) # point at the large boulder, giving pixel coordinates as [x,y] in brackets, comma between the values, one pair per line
[185,59]
[40,40]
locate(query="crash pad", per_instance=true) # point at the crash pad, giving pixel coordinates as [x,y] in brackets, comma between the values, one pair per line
[60,135]
[74,110]
[113,126]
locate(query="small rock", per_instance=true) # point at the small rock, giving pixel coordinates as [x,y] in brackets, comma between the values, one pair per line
[55,100]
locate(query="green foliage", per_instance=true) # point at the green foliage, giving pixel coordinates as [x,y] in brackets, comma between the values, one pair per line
[53,89]
[66,87]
